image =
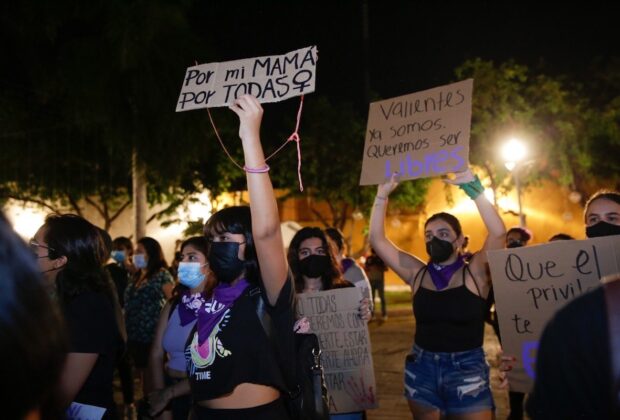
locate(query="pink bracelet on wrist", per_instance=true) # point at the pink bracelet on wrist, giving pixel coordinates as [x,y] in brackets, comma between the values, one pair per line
[261,170]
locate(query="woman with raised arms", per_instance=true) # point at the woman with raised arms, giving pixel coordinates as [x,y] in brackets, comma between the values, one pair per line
[446,373]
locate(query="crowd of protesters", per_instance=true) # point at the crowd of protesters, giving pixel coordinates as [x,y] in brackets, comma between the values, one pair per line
[76,305]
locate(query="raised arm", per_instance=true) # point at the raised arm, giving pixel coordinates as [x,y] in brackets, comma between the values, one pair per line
[401,262]
[263,207]
[496,230]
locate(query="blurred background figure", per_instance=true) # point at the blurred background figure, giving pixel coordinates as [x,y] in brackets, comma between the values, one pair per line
[516,237]
[375,269]
[351,270]
[119,267]
[33,338]
[561,237]
[145,296]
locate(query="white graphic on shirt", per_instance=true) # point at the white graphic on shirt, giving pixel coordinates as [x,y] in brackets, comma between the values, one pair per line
[204,355]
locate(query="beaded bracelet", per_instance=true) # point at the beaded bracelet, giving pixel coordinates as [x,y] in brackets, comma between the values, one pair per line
[261,170]
[380,198]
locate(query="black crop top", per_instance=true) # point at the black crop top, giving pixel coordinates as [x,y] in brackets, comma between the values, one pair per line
[240,351]
[450,320]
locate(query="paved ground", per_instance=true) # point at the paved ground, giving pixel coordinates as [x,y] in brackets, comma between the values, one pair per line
[391,341]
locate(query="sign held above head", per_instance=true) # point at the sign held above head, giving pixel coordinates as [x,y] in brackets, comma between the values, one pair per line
[420,135]
[269,79]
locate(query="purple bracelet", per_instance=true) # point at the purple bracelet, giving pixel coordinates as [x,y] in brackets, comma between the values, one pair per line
[256,170]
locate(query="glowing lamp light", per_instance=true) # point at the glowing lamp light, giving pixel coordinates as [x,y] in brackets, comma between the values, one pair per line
[513,152]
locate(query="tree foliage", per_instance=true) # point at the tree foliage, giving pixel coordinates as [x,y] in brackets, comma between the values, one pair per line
[332,142]
[568,136]
[91,82]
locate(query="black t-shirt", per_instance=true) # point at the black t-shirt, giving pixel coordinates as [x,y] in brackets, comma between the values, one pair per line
[241,351]
[93,328]
[120,277]
[573,379]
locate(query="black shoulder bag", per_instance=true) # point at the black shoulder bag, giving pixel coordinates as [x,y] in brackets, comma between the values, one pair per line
[307,398]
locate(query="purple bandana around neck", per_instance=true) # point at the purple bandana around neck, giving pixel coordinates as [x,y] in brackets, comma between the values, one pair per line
[189,306]
[441,274]
[224,295]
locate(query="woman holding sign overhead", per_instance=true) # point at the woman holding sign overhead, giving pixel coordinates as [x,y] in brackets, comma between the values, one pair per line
[446,372]
[233,369]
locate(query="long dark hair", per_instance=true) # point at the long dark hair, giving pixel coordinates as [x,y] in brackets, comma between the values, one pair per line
[449,219]
[201,244]
[156,259]
[32,333]
[332,278]
[236,219]
[80,241]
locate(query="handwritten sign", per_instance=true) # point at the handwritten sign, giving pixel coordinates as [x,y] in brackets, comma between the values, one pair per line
[345,347]
[270,79]
[77,411]
[421,135]
[533,282]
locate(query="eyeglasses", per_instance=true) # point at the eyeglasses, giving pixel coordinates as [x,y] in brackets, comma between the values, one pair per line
[34,246]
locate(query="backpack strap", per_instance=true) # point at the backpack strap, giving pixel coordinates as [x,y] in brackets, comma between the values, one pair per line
[612,299]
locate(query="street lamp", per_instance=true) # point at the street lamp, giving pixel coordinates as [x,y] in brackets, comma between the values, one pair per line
[513,153]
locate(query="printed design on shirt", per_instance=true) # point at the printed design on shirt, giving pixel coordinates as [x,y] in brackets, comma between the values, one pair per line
[204,355]
[193,302]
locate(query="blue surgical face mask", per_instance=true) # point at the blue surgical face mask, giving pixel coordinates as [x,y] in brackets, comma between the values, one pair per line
[190,274]
[139,260]
[118,256]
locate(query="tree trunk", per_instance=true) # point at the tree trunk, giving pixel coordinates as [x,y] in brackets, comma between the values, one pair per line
[139,196]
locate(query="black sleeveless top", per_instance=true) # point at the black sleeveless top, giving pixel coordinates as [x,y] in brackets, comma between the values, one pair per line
[451,320]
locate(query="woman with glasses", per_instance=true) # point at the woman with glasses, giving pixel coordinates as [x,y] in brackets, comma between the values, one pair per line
[34,346]
[70,254]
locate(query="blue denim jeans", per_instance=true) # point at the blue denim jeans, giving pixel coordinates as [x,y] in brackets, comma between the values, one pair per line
[453,383]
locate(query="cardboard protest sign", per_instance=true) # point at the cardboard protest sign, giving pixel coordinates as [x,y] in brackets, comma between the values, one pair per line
[532,283]
[346,355]
[421,135]
[270,79]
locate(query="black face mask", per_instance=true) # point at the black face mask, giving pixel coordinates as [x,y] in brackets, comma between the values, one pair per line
[602,229]
[314,266]
[514,244]
[224,261]
[439,250]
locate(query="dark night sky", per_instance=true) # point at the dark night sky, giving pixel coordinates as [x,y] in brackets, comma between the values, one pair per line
[412,45]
